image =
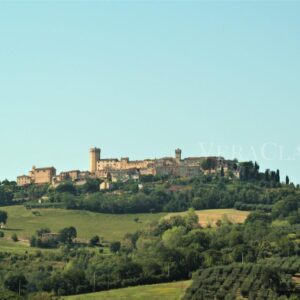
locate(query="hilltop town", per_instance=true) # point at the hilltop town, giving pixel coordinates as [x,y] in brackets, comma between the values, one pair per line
[113,169]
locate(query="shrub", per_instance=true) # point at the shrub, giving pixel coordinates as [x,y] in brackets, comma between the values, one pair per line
[14,237]
[94,240]
[115,247]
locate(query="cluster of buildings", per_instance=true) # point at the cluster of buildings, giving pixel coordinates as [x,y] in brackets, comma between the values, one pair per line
[114,169]
[48,175]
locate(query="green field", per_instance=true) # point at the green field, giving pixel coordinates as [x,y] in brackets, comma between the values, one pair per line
[210,216]
[163,291]
[7,245]
[108,226]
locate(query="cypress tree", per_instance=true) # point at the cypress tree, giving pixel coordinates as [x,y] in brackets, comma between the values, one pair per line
[267,175]
[222,172]
[277,178]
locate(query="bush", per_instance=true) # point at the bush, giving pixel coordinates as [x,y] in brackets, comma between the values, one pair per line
[94,240]
[33,241]
[14,237]
[115,247]
[1,234]
[67,187]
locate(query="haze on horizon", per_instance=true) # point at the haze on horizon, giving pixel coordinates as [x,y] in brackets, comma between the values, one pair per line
[140,79]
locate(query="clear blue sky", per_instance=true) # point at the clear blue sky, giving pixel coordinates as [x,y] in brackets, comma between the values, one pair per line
[139,79]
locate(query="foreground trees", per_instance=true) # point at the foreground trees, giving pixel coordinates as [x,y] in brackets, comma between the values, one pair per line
[168,250]
[175,247]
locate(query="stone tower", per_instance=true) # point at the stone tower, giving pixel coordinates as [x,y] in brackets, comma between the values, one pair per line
[94,157]
[178,155]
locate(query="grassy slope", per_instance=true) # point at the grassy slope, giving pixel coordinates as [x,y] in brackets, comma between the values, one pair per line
[20,247]
[210,216]
[110,227]
[164,291]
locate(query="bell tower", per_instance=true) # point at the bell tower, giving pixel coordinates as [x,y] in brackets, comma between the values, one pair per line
[94,157]
[178,155]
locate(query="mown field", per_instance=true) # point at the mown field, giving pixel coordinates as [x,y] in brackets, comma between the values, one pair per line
[164,291]
[210,216]
[110,227]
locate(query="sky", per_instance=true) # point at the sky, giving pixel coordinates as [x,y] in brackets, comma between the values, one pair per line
[141,78]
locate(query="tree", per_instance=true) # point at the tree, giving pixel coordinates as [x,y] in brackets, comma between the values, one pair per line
[172,238]
[33,241]
[67,187]
[271,278]
[284,207]
[222,172]
[267,175]
[249,171]
[115,247]
[209,164]
[94,240]
[42,231]
[129,270]
[16,283]
[37,191]
[191,219]
[67,235]
[91,186]
[3,216]
[258,216]
[14,237]
[287,180]
[277,177]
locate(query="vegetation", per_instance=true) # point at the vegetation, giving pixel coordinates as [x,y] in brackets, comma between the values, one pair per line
[252,190]
[93,251]
[25,222]
[254,281]
[14,237]
[168,250]
[3,217]
[162,291]
[210,217]
[46,239]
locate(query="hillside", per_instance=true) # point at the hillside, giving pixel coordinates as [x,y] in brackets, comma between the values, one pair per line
[160,233]
[211,216]
[163,291]
[266,280]
[25,222]
[110,227]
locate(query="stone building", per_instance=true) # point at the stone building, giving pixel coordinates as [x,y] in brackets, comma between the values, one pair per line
[42,175]
[23,180]
[76,176]
[123,169]
[37,176]
[174,166]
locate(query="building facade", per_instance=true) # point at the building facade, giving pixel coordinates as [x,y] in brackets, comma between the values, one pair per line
[166,166]
[123,169]
[37,176]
